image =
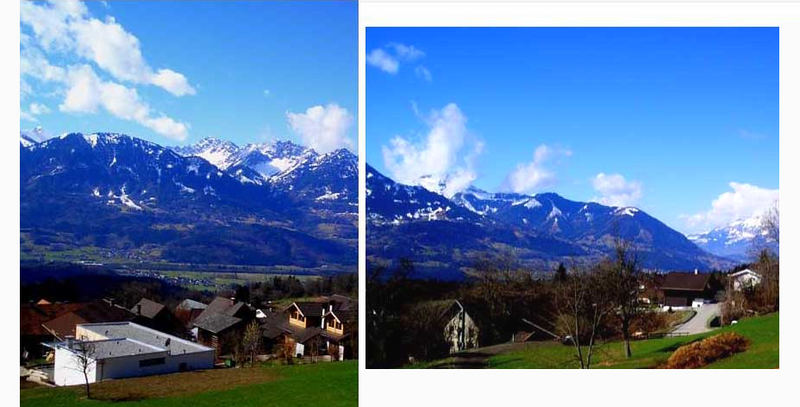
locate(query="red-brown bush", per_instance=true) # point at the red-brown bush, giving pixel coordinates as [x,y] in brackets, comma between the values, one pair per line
[699,354]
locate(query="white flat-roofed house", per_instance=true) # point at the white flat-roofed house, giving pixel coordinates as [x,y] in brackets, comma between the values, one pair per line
[117,350]
[744,279]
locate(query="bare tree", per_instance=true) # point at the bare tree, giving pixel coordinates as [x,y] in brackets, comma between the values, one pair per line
[251,341]
[619,277]
[83,353]
[581,308]
[771,223]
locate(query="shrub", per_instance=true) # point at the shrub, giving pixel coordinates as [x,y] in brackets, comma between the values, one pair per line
[699,354]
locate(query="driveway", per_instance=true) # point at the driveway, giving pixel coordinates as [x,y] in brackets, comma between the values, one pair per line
[699,323]
[477,358]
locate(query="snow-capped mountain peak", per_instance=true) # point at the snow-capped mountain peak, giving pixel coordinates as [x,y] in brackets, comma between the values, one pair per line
[736,239]
[217,152]
[28,138]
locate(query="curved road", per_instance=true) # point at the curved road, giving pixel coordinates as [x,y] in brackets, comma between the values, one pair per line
[699,323]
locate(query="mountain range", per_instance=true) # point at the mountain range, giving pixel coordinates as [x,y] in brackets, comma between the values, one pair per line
[737,240]
[113,196]
[449,236]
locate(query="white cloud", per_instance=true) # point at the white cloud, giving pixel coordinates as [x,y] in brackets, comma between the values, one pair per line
[173,82]
[38,108]
[27,116]
[323,128]
[423,73]
[383,61]
[388,59]
[533,176]
[744,201]
[34,109]
[615,190]
[66,27]
[65,30]
[51,25]
[406,52]
[87,93]
[33,63]
[442,161]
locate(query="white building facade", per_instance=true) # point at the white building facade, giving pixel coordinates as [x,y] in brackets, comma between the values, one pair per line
[744,279]
[118,350]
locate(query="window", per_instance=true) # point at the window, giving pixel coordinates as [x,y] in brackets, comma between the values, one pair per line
[338,325]
[151,362]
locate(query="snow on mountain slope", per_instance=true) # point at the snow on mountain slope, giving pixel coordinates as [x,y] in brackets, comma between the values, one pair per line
[532,225]
[217,152]
[736,240]
[267,159]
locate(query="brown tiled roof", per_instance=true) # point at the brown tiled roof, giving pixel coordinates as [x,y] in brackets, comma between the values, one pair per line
[93,312]
[685,281]
[220,314]
[311,309]
[302,335]
[345,316]
[32,316]
[149,309]
[219,304]
[216,323]
[440,308]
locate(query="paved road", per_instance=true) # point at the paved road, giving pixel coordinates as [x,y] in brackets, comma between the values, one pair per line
[699,323]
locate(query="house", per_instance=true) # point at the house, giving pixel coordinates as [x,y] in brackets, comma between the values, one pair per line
[188,310]
[686,289]
[744,279]
[32,316]
[222,323]
[323,327]
[115,350]
[460,331]
[340,325]
[157,316]
[63,326]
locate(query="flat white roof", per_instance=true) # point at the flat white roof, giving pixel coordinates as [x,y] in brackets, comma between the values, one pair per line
[147,336]
[113,348]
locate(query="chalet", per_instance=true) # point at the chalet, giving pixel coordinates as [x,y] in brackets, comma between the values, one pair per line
[125,349]
[221,323]
[340,325]
[744,279]
[322,327]
[460,331]
[686,289]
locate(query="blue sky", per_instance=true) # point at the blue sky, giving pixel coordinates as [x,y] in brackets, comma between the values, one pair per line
[681,122]
[236,70]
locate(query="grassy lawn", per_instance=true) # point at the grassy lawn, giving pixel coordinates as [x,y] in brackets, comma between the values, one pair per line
[329,384]
[761,354]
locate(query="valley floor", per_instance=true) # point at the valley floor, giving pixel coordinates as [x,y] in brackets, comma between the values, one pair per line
[329,384]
